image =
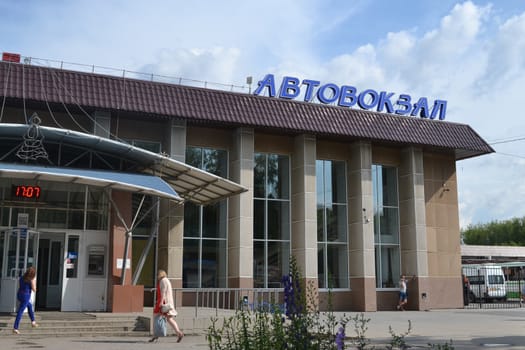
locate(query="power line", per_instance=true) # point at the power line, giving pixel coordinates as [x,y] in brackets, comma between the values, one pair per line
[510,155]
[520,138]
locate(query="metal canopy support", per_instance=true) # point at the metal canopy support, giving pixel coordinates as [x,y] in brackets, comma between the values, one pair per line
[129,231]
[154,233]
[129,234]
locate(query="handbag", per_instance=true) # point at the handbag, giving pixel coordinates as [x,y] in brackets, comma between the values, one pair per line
[165,308]
[159,326]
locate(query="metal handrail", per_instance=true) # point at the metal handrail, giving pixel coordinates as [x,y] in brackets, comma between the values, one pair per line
[133,74]
[227,298]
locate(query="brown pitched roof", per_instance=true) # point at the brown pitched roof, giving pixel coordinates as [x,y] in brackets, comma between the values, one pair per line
[20,81]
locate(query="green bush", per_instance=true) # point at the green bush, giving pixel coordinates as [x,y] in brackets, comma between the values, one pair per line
[299,325]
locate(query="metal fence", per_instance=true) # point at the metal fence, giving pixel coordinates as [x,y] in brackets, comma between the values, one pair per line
[485,290]
[206,301]
[488,287]
[134,74]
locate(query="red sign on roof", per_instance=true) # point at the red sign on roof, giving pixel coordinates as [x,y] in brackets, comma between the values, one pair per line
[11,57]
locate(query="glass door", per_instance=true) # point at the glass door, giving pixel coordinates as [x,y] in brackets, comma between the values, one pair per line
[72,290]
[50,267]
[20,252]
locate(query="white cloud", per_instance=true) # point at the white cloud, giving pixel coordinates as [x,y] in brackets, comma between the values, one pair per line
[211,65]
[506,59]
[490,190]
[457,32]
[350,68]
[397,48]
[425,65]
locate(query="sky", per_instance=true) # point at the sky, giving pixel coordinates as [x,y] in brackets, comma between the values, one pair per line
[468,53]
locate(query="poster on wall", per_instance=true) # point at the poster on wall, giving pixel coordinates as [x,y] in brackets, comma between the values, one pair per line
[71,262]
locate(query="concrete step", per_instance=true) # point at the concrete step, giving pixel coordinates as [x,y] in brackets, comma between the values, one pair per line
[72,333]
[76,325]
[129,324]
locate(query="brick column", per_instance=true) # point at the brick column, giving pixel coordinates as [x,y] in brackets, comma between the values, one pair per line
[126,297]
[240,212]
[361,228]
[413,237]
[304,211]
[171,230]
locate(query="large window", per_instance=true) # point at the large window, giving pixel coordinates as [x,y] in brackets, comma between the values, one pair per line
[332,235]
[386,226]
[204,256]
[271,219]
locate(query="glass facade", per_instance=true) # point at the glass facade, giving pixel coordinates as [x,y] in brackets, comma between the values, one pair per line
[332,232]
[59,206]
[205,228]
[271,219]
[386,226]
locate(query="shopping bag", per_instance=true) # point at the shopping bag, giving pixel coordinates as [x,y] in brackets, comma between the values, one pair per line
[159,326]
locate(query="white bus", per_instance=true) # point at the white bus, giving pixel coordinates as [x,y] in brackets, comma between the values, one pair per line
[487,282]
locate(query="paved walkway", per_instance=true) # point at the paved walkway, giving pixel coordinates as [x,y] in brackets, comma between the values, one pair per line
[468,329]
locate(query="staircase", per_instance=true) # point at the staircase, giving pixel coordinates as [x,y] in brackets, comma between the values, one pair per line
[76,324]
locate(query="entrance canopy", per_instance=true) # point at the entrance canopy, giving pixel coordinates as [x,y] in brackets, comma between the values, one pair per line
[190,183]
[138,183]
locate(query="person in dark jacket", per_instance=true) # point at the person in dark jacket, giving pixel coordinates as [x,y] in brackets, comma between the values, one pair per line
[466,290]
[27,284]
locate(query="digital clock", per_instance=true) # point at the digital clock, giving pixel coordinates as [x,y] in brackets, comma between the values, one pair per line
[26,191]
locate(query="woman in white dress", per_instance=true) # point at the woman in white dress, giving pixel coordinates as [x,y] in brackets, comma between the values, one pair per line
[165,304]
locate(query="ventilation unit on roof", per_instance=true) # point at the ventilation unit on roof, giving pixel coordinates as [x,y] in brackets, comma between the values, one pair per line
[11,57]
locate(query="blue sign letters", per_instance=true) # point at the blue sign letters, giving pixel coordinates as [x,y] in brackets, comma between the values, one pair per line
[347,96]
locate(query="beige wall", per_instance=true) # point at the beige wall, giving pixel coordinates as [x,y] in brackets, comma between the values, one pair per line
[436,275]
[443,232]
[439,279]
[139,129]
[386,155]
[268,143]
[208,137]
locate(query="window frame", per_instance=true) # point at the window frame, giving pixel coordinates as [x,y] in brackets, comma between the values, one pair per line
[378,245]
[324,245]
[265,241]
[200,238]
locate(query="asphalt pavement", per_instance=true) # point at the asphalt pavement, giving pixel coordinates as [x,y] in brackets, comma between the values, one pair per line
[457,329]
